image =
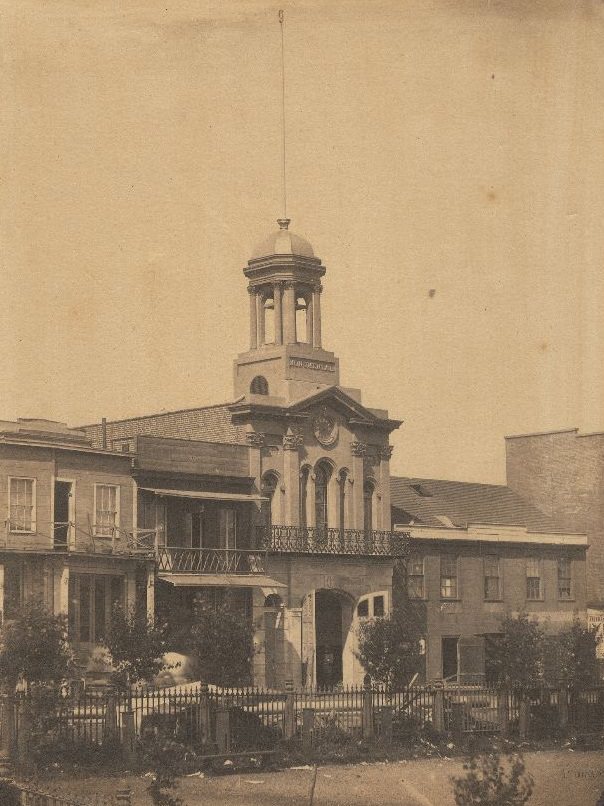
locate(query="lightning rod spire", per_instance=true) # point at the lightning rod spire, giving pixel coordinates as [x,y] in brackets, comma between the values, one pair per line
[284,221]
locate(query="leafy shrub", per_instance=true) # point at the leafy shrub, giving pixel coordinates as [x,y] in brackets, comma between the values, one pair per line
[544,721]
[493,781]
[136,645]
[9,794]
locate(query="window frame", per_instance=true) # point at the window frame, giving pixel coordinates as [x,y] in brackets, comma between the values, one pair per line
[486,577]
[539,563]
[96,526]
[422,576]
[456,596]
[571,592]
[33,524]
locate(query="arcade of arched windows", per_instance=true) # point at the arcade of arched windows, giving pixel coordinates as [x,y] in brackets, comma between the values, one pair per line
[326,499]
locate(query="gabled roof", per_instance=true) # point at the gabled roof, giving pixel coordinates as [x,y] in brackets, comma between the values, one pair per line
[434,502]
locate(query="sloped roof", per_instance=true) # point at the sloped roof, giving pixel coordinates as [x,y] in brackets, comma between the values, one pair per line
[206,423]
[434,502]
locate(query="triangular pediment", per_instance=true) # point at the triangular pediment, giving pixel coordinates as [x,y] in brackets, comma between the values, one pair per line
[337,399]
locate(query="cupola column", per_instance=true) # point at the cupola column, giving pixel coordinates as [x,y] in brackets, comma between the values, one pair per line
[253,319]
[278,314]
[289,313]
[316,318]
[260,318]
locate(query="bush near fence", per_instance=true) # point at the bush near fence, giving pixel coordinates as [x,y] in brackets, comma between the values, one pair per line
[97,726]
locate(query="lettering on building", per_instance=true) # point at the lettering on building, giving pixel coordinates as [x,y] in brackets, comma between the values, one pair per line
[303,363]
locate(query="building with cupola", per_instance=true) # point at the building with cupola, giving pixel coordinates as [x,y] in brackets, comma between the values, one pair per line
[283,494]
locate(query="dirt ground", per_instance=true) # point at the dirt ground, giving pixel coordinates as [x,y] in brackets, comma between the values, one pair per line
[562,778]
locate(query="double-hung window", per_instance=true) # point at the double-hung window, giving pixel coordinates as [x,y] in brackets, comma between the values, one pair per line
[415,576]
[534,583]
[492,578]
[565,588]
[22,504]
[106,509]
[449,588]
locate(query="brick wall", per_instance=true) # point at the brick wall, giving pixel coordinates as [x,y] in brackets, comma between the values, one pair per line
[210,423]
[563,474]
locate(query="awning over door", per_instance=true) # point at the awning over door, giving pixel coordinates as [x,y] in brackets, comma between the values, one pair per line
[207,496]
[221,580]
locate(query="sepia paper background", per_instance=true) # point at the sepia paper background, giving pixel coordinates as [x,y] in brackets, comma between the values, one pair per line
[445,159]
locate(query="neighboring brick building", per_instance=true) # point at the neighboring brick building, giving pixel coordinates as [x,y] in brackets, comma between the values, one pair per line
[562,473]
[479,552]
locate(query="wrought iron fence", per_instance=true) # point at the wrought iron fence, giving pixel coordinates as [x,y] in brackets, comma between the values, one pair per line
[324,540]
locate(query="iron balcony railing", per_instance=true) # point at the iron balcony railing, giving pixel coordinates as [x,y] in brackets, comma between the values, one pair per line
[177,560]
[322,540]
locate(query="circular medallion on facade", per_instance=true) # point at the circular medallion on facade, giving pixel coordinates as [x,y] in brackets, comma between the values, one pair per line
[325,429]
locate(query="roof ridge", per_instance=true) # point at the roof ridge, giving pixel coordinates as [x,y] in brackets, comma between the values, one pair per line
[422,480]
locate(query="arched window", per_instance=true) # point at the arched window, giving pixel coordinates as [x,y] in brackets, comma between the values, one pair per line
[368,490]
[322,474]
[269,485]
[269,320]
[303,495]
[301,319]
[273,600]
[259,386]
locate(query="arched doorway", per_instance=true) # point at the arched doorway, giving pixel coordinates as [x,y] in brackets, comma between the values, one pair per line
[333,617]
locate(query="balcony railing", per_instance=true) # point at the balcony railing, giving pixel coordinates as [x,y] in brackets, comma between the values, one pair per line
[176,560]
[321,540]
[66,536]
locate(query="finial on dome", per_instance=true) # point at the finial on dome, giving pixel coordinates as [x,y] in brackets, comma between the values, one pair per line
[283,222]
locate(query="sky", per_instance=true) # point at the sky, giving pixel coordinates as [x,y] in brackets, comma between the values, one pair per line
[443,158]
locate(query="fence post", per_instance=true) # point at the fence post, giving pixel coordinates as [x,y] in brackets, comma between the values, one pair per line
[524,718]
[438,711]
[223,730]
[110,724]
[368,726]
[128,735]
[289,720]
[503,714]
[22,731]
[386,724]
[457,713]
[205,724]
[308,725]
[563,707]
[123,797]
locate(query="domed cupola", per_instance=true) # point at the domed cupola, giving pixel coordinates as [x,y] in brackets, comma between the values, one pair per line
[286,354]
[283,242]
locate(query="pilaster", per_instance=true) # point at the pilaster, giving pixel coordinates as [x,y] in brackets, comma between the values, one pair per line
[291,471]
[358,450]
[384,454]
[253,319]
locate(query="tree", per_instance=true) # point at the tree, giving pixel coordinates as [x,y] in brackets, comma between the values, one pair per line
[35,647]
[389,647]
[221,643]
[516,652]
[136,645]
[489,781]
[570,657]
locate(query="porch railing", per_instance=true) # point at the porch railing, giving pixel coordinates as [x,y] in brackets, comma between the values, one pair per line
[173,559]
[322,540]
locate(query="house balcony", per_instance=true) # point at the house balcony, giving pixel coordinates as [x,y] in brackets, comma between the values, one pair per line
[72,538]
[179,560]
[322,540]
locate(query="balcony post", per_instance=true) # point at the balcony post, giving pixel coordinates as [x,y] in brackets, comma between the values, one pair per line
[385,516]
[150,592]
[61,591]
[1,594]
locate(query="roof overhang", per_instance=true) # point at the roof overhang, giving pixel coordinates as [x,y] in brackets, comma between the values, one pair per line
[493,534]
[221,580]
[204,495]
